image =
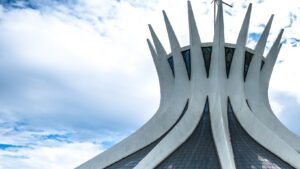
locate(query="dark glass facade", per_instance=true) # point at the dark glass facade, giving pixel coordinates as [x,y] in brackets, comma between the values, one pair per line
[198,152]
[249,154]
[207,51]
[248,58]
[187,60]
[228,59]
[186,54]
[171,63]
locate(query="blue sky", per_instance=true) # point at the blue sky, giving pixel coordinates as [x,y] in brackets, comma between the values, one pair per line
[76,76]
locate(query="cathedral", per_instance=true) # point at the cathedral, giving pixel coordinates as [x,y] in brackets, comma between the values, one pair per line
[214,110]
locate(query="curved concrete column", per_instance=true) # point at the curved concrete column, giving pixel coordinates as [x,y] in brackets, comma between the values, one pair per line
[267,69]
[179,66]
[158,125]
[198,71]
[235,81]
[185,127]
[257,129]
[236,72]
[165,75]
[252,80]
[258,81]
[177,136]
[264,136]
[217,97]
[265,113]
[266,72]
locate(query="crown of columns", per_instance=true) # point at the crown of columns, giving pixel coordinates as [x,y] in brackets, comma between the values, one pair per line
[213,95]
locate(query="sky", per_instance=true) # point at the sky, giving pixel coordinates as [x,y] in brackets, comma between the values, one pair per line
[76,76]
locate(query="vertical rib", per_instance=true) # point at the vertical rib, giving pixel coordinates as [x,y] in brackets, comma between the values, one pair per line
[165,75]
[254,68]
[260,46]
[194,34]
[162,58]
[237,66]
[159,48]
[265,74]
[162,88]
[270,61]
[217,76]
[217,68]
[153,54]
[179,65]
[198,72]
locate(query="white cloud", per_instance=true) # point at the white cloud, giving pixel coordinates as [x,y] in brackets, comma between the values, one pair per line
[85,67]
[56,157]
[99,63]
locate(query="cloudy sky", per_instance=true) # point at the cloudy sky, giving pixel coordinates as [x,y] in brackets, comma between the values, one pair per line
[76,76]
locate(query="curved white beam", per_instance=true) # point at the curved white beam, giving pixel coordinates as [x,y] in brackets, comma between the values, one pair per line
[267,69]
[254,127]
[259,102]
[198,71]
[237,65]
[264,136]
[162,57]
[235,80]
[252,79]
[218,108]
[177,136]
[185,127]
[158,69]
[268,117]
[165,75]
[252,84]
[217,64]
[181,75]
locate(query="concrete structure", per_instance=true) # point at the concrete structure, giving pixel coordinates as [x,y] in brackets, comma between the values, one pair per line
[214,110]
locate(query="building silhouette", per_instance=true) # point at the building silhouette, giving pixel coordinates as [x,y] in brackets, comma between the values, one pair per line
[214,110]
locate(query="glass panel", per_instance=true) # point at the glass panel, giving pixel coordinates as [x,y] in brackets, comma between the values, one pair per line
[207,57]
[198,151]
[248,58]
[187,60]
[186,54]
[171,63]
[132,160]
[262,64]
[247,152]
[228,58]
